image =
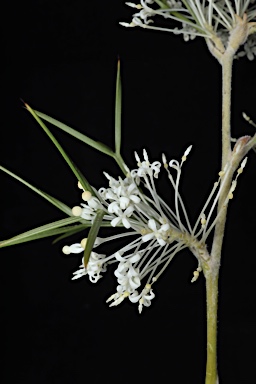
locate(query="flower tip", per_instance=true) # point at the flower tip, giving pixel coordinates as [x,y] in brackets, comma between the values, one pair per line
[77,211]
[244,162]
[83,242]
[114,304]
[86,195]
[188,150]
[132,5]
[145,154]
[107,175]
[66,250]
[137,157]
[246,117]
[127,25]
[110,298]
[195,277]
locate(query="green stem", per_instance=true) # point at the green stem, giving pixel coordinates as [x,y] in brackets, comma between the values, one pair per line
[227,62]
[212,307]
[212,273]
[226,156]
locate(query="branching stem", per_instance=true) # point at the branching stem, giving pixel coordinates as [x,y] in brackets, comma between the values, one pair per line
[212,272]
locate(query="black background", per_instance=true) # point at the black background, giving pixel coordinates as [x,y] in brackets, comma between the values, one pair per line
[60,57]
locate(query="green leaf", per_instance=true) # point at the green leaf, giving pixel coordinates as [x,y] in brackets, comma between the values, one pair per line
[46,230]
[80,136]
[78,228]
[72,230]
[72,166]
[118,110]
[61,206]
[92,235]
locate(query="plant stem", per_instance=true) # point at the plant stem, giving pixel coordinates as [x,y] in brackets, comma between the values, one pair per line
[212,273]
[226,152]
[227,62]
[212,305]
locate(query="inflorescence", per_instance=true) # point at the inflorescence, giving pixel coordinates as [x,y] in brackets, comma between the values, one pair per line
[213,20]
[158,231]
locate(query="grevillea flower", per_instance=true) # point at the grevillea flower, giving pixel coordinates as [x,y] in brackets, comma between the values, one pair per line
[213,20]
[158,232]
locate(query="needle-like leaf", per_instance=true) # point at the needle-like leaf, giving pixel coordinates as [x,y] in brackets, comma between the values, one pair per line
[118,111]
[80,136]
[51,229]
[61,206]
[73,167]
[92,235]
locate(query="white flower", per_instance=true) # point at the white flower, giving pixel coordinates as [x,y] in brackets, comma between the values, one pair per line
[94,267]
[212,19]
[127,276]
[144,298]
[159,231]
[122,216]
[89,210]
[145,167]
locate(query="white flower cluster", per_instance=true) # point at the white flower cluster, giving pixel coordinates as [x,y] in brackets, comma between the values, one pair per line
[160,232]
[210,19]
